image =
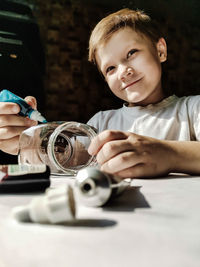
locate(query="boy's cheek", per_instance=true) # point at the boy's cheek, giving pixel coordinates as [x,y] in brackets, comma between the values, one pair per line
[112,85]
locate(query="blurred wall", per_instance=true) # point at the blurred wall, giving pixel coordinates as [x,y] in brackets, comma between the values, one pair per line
[74,89]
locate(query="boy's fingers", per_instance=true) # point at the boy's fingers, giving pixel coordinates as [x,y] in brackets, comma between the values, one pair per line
[31,100]
[112,149]
[15,120]
[10,146]
[10,132]
[121,162]
[137,171]
[9,108]
[103,138]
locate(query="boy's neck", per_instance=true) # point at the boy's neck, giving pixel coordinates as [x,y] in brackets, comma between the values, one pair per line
[146,103]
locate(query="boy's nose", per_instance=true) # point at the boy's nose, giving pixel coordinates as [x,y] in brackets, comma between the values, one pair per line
[125,72]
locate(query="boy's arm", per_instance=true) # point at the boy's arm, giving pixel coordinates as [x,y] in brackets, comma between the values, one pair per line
[130,155]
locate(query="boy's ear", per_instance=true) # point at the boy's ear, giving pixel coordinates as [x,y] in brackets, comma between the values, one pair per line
[162,49]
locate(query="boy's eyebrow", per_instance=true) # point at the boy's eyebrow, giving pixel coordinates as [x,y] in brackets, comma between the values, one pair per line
[126,49]
[103,69]
[132,44]
[106,65]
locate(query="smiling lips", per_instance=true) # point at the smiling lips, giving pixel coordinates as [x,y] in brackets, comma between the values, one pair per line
[131,84]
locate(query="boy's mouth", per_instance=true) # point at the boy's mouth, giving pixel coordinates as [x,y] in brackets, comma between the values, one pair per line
[132,83]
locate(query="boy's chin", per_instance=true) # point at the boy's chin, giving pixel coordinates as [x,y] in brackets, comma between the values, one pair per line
[135,99]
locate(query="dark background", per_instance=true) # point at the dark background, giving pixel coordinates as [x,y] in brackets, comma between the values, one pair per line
[74,90]
[71,87]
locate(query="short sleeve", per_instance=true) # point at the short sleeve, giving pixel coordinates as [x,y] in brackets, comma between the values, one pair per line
[194,113]
[95,121]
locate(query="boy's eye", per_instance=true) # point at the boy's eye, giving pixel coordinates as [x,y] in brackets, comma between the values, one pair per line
[109,69]
[131,52]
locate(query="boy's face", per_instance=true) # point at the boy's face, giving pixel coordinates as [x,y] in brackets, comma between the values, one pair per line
[131,66]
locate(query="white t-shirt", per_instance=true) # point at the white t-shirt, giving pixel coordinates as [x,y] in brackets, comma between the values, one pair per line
[173,118]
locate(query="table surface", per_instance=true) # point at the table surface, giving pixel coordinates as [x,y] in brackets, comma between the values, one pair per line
[156,222]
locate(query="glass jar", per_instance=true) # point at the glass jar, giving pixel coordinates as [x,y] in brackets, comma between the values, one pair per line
[60,145]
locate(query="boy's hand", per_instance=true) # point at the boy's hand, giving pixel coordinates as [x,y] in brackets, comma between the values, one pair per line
[130,155]
[11,125]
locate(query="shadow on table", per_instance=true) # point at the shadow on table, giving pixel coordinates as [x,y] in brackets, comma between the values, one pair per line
[91,223]
[129,200]
[171,176]
[95,223]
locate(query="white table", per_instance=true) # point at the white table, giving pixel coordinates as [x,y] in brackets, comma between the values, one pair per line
[156,223]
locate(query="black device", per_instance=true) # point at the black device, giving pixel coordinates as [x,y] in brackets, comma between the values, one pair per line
[23,178]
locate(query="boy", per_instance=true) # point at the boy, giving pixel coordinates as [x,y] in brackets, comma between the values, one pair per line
[128,51]
[151,135]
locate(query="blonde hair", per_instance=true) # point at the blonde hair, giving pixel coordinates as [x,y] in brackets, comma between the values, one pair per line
[135,19]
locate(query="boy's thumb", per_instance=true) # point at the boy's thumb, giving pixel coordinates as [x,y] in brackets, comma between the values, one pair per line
[31,100]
